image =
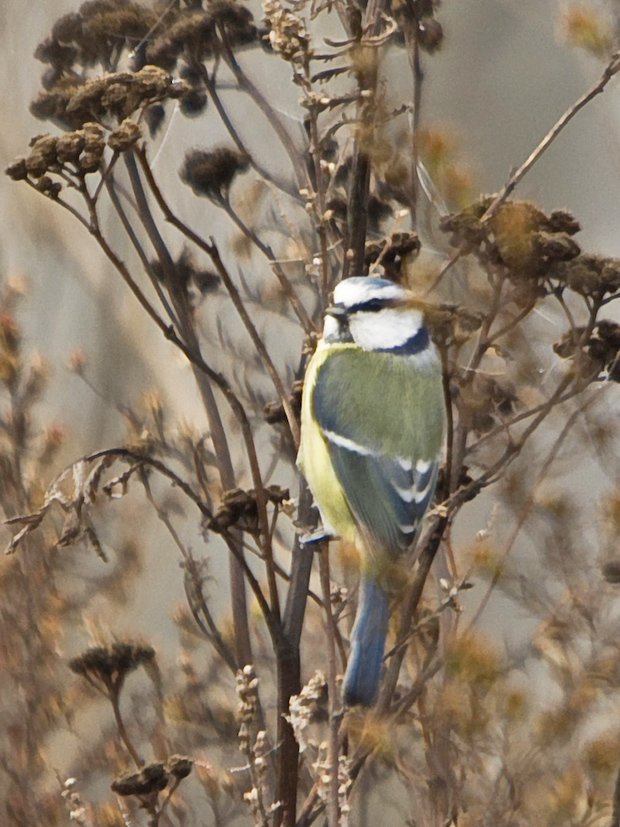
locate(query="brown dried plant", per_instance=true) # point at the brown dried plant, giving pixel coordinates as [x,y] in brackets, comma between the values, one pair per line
[459,734]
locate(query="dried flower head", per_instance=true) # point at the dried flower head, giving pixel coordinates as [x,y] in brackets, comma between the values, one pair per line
[611,572]
[307,709]
[17,170]
[247,692]
[287,32]
[589,275]
[239,508]
[124,136]
[152,778]
[586,26]
[179,766]
[211,173]
[107,667]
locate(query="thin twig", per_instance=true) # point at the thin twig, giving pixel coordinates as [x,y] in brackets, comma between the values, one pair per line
[612,68]
[333,809]
[265,249]
[529,504]
[122,731]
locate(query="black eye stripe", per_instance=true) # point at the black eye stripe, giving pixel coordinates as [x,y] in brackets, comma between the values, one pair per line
[372,306]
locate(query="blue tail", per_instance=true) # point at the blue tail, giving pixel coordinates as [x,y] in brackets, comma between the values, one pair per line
[361,681]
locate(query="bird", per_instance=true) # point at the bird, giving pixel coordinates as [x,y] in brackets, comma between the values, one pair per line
[372,433]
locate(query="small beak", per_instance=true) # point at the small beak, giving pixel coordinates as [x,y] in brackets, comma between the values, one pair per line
[337,311]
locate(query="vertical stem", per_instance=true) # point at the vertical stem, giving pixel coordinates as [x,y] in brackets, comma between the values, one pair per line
[289,683]
[218,434]
[358,214]
[115,701]
[418,77]
[333,808]
[427,555]
[615,817]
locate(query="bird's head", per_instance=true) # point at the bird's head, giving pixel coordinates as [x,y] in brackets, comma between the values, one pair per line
[377,315]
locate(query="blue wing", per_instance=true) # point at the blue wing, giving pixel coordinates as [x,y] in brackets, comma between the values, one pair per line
[388,496]
[377,451]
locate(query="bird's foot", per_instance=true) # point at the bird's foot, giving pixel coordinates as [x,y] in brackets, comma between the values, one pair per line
[315,537]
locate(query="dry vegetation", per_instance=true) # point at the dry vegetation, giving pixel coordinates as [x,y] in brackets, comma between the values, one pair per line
[467,730]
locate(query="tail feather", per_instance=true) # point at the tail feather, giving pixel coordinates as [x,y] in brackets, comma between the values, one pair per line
[361,680]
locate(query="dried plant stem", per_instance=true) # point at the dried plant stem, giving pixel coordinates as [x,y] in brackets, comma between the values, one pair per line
[192,577]
[425,561]
[122,731]
[212,251]
[209,81]
[315,154]
[615,817]
[612,68]
[529,504]
[246,85]
[333,808]
[413,51]
[285,283]
[257,341]
[196,601]
[461,431]
[355,248]
[127,226]
[308,812]
[145,459]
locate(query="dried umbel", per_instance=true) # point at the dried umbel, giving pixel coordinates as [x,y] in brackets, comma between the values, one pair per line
[392,253]
[239,508]
[197,33]
[179,766]
[124,136]
[106,667]
[588,275]
[602,349]
[152,778]
[211,173]
[82,149]
[116,95]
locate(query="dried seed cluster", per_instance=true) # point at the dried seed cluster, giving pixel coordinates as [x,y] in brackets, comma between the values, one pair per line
[153,778]
[110,665]
[239,508]
[211,173]
[72,102]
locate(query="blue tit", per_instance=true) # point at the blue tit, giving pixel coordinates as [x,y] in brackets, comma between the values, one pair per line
[372,431]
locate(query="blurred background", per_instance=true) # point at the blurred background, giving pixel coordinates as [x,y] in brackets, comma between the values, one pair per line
[504,75]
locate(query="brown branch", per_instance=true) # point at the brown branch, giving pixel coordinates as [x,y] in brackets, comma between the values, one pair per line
[209,81]
[114,697]
[246,85]
[111,188]
[258,343]
[425,561]
[612,68]
[265,249]
[333,808]
[529,504]
[211,249]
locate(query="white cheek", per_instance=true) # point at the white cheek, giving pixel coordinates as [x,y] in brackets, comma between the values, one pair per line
[331,328]
[384,330]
